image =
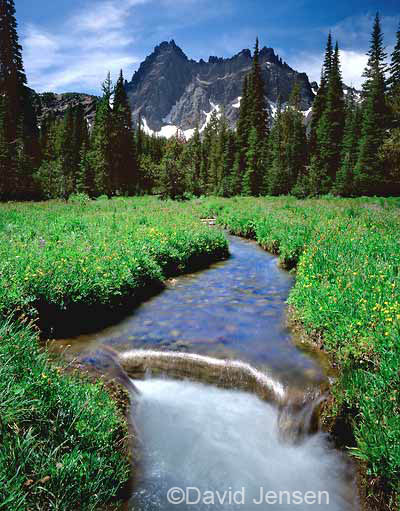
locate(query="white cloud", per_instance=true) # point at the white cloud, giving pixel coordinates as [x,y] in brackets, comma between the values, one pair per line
[352,63]
[80,53]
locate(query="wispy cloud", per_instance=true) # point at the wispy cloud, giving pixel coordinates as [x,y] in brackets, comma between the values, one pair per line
[353,34]
[352,63]
[78,54]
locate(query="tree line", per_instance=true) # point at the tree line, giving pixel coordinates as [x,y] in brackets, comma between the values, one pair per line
[351,146]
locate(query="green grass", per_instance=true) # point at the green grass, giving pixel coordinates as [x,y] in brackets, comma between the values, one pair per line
[347,254]
[60,434]
[97,252]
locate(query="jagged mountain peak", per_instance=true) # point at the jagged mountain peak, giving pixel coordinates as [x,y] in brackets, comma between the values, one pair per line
[169,89]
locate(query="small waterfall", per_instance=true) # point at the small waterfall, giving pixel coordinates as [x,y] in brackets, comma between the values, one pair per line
[225,373]
[297,412]
[221,444]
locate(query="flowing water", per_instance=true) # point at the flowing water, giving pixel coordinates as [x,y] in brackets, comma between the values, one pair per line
[209,438]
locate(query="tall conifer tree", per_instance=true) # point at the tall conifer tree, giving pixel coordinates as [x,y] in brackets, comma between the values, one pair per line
[320,100]
[101,153]
[368,171]
[19,122]
[344,184]
[331,126]
[124,171]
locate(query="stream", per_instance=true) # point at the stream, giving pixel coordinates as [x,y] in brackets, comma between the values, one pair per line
[225,444]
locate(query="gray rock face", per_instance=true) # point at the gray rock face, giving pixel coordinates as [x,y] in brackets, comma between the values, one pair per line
[168,88]
[57,104]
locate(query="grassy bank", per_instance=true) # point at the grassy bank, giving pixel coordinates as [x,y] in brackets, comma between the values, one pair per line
[347,294]
[59,434]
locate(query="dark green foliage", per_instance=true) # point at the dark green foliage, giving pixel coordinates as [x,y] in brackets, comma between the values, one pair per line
[195,184]
[344,184]
[172,180]
[376,56]
[58,433]
[394,79]
[124,170]
[18,121]
[343,154]
[258,110]
[368,171]
[331,126]
[319,104]
[101,154]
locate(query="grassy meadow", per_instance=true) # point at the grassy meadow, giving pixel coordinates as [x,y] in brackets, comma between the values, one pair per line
[59,432]
[347,297]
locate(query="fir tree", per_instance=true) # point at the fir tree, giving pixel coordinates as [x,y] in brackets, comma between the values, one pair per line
[228,161]
[368,171]
[172,181]
[252,180]
[394,70]
[318,108]
[194,183]
[319,104]
[275,177]
[331,126]
[328,59]
[295,139]
[258,114]
[242,135]
[19,121]
[124,171]
[208,146]
[101,153]
[376,65]
[394,85]
[344,184]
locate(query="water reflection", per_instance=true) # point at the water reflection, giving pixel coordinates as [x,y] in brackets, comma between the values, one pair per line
[233,310]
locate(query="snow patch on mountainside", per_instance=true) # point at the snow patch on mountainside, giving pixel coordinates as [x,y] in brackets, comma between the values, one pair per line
[237,104]
[170,130]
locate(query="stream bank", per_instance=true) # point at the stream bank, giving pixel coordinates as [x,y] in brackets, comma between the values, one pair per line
[231,315]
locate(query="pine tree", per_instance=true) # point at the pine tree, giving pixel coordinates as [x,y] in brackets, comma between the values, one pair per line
[295,139]
[368,171]
[275,177]
[194,184]
[228,162]
[172,180]
[344,184]
[242,135]
[319,104]
[258,115]
[376,65]
[328,59]
[394,85]
[252,179]
[209,137]
[101,154]
[19,121]
[331,126]
[124,172]
[253,126]
[394,70]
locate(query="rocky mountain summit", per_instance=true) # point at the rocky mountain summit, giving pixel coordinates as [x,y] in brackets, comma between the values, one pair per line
[169,90]
[57,104]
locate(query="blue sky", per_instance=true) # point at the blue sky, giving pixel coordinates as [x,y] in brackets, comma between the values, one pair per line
[69,45]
